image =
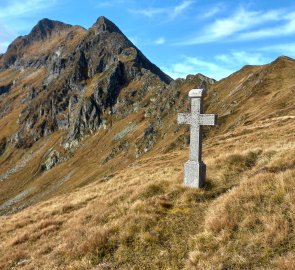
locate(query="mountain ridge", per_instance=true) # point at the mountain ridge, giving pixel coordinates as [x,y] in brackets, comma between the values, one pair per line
[106,50]
[44,28]
[104,24]
[91,160]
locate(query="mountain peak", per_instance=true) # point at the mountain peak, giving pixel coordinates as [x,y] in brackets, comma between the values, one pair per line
[44,28]
[283,58]
[103,24]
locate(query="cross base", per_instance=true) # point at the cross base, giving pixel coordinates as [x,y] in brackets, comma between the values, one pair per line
[194,174]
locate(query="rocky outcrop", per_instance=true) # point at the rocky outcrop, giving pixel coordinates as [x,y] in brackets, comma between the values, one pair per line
[18,48]
[161,112]
[3,144]
[52,159]
[102,79]
[82,86]
[45,28]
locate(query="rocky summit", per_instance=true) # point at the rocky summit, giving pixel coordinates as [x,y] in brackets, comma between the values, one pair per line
[83,73]
[66,81]
[91,159]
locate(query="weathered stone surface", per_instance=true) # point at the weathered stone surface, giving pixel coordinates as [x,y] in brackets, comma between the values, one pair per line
[146,143]
[194,168]
[194,174]
[52,159]
[3,144]
[123,133]
[89,80]
[121,147]
[16,50]
[64,99]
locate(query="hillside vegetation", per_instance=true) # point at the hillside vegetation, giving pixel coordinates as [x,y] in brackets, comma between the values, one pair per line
[143,218]
[91,159]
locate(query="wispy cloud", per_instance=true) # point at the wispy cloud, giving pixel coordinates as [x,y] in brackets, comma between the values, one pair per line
[287,27]
[171,12]
[239,24]
[15,15]
[149,12]
[219,67]
[281,49]
[18,8]
[194,65]
[240,58]
[213,11]
[111,3]
[177,10]
[160,41]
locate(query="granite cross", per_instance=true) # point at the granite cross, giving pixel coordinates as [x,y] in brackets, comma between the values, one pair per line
[194,168]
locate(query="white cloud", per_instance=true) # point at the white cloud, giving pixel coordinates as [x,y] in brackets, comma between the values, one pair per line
[242,20]
[149,12]
[171,12]
[282,49]
[240,58]
[111,3]
[220,67]
[181,7]
[160,41]
[285,29]
[15,15]
[193,65]
[18,8]
[213,11]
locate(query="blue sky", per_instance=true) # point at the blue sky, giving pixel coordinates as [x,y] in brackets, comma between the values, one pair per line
[182,37]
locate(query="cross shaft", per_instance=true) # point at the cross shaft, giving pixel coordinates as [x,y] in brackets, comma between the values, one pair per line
[196,119]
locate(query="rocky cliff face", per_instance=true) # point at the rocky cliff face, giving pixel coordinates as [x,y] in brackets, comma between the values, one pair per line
[84,73]
[67,93]
[87,103]
[18,51]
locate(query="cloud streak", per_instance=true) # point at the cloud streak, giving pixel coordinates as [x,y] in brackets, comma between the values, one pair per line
[213,11]
[19,8]
[15,15]
[281,49]
[177,10]
[286,28]
[219,67]
[245,25]
[160,41]
[194,65]
[171,12]
[240,58]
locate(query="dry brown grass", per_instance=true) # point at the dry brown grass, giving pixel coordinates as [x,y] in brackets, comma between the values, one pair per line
[135,214]
[143,218]
[252,225]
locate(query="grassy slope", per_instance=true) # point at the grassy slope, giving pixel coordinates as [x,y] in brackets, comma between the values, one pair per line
[99,155]
[143,218]
[254,93]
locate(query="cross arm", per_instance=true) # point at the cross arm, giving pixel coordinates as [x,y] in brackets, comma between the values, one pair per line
[208,119]
[184,118]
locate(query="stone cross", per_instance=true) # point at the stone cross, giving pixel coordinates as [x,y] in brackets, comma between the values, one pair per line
[194,168]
